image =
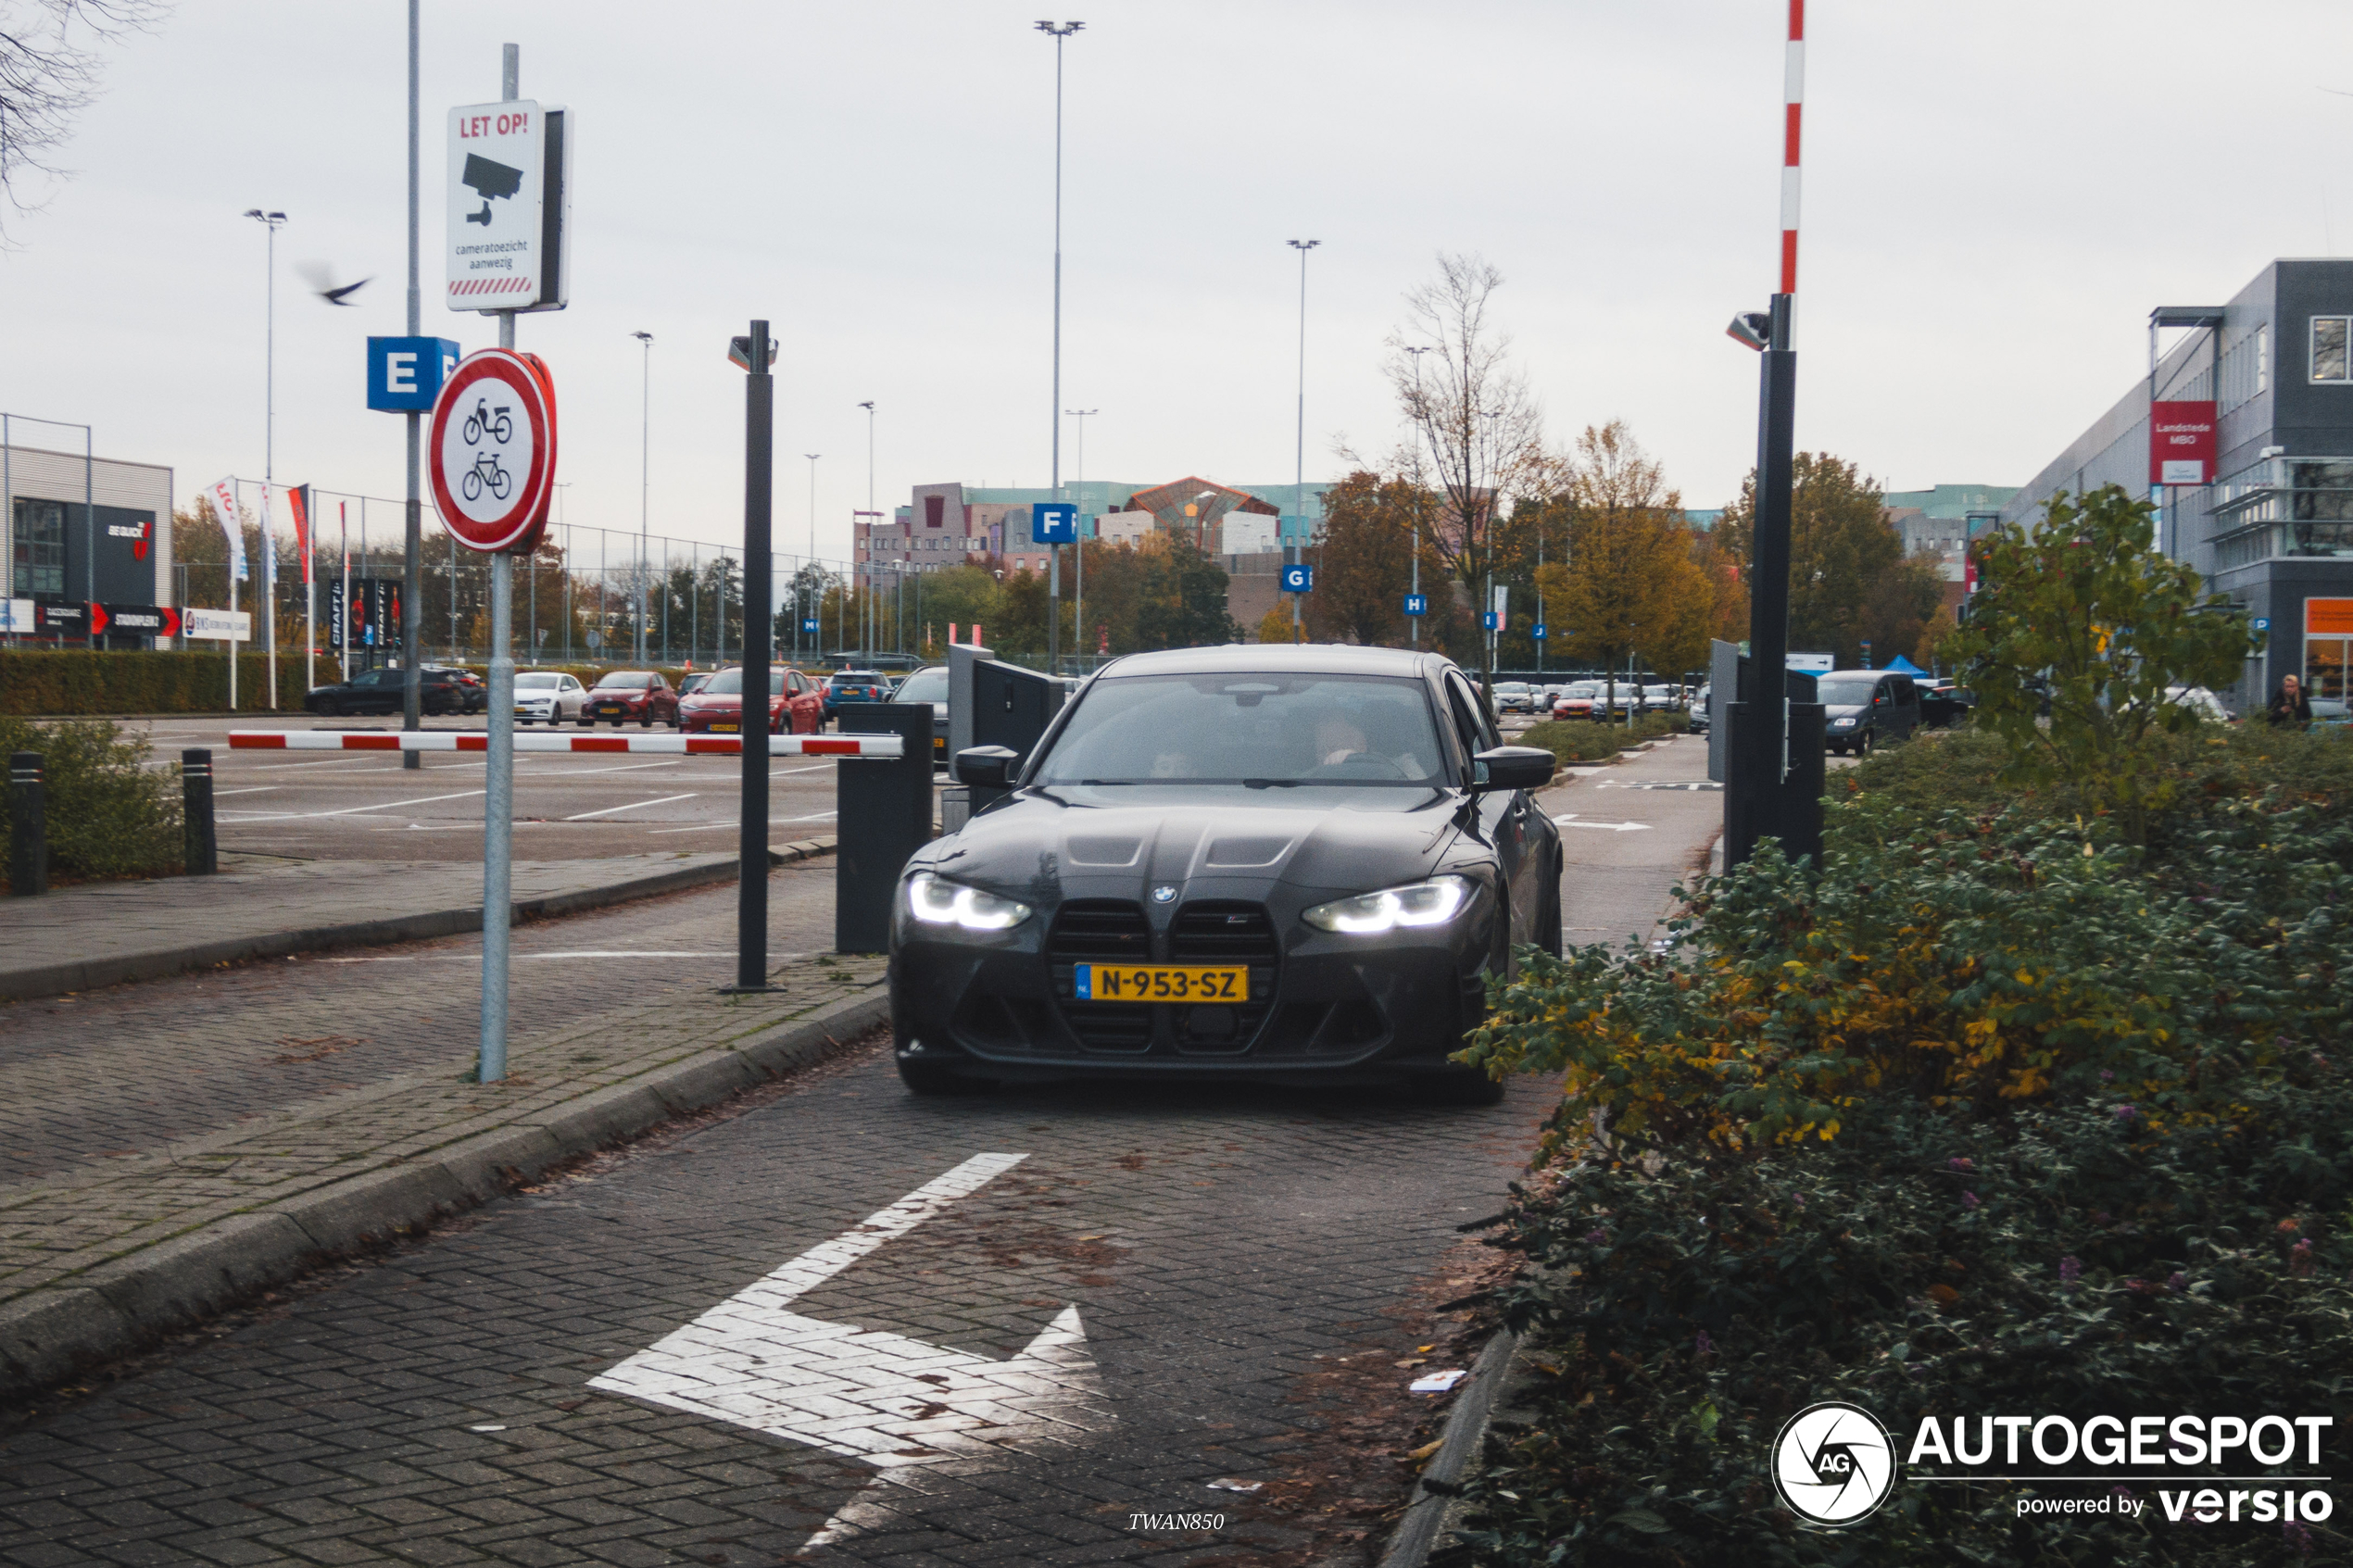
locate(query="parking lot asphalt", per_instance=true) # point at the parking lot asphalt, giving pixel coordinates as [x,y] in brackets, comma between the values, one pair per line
[365,806]
[1256,1274]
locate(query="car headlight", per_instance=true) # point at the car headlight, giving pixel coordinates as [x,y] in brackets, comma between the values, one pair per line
[935,902]
[1422,903]
[1841,724]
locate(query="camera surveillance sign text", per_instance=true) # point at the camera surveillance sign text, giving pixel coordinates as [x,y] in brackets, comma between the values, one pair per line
[1835,1463]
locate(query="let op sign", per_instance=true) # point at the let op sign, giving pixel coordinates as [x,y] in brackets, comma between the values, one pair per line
[2180,443]
[510,207]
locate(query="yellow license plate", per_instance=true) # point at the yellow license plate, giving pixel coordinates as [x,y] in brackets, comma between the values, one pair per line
[1158,983]
[724,729]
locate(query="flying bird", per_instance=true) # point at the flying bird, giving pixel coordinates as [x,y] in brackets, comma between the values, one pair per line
[322,283]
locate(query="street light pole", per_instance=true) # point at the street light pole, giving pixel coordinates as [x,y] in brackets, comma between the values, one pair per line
[1058,31]
[1078,554]
[1299,470]
[809,580]
[1413,623]
[864,572]
[270,221]
[644,481]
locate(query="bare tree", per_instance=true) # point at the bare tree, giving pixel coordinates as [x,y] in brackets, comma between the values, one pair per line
[48,75]
[1475,431]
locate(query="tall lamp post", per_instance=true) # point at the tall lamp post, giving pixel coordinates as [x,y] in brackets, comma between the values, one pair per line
[863,570]
[1058,31]
[270,221]
[645,480]
[1413,623]
[809,578]
[1299,470]
[1079,552]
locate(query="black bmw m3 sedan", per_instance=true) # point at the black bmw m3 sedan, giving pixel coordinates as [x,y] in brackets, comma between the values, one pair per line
[1298,865]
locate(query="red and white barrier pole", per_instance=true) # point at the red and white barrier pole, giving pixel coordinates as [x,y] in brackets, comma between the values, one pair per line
[884,748]
[1793,109]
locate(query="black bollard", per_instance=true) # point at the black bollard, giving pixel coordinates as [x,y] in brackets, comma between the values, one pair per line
[29,830]
[883,815]
[199,849]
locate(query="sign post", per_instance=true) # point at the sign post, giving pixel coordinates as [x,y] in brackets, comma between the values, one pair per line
[755,353]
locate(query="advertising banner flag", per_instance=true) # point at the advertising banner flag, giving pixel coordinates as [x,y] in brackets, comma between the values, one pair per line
[268,553]
[299,500]
[224,506]
[2182,443]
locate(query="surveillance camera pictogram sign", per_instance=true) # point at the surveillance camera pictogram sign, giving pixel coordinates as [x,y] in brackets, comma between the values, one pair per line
[509,182]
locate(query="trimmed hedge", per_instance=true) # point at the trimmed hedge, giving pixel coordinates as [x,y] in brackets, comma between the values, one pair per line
[50,682]
[1581,740]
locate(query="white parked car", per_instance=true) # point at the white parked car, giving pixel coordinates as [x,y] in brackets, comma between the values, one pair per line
[1661,699]
[548,696]
[1513,696]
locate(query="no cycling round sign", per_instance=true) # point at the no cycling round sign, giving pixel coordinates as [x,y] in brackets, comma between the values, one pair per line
[492,450]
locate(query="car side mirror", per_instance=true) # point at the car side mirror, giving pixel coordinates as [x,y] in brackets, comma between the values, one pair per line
[988,767]
[1512,767]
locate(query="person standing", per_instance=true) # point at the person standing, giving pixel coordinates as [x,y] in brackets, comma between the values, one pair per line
[2290,706]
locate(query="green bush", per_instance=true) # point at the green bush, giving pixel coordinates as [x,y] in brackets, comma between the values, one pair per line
[58,682]
[2069,1261]
[107,814]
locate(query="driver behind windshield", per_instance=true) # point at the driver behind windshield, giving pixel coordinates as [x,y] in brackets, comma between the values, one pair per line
[1256,729]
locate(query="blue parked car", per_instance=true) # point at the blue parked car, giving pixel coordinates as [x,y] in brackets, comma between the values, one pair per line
[855,685]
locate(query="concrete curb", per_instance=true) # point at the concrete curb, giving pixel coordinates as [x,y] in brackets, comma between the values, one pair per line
[1417,1533]
[49,1336]
[87,974]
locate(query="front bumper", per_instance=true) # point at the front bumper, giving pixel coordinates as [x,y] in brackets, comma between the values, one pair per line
[1324,1008]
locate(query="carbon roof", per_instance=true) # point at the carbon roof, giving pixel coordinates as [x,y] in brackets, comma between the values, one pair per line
[1322,659]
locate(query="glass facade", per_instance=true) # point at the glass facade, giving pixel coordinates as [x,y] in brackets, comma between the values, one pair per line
[2285,508]
[39,562]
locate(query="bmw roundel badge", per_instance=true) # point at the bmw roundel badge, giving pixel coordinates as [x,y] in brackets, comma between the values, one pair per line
[1165,893]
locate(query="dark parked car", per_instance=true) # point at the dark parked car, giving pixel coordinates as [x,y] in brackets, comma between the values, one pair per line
[1866,707]
[1287,864]
[622,696]
[439,692]
[717,708]
[855,685]
[930,684]
[689,685]
[1943,704]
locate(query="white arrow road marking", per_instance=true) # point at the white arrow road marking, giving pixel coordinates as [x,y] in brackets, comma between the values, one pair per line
[1571,821]
[894,1402]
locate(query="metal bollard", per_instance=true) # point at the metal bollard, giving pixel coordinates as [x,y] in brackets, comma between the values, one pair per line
[28,835]
[200,851]
[882,817]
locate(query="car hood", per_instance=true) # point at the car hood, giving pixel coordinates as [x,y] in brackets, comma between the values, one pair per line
[1845,710]
[1044,845]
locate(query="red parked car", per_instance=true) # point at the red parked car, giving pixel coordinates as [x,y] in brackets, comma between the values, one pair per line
[620,695]
[795,706]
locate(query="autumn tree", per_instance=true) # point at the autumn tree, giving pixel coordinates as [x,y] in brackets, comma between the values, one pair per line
[1364,565]
[1632,585]
[1841,544]
[1474,432]
[48,75]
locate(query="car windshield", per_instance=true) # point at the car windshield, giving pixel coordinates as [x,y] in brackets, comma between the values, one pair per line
[626,681]
[537,682]
[1259,731]
[1585,688]
[925,685]
[1844,694]
[856,678]
[730,683]
[1511,685]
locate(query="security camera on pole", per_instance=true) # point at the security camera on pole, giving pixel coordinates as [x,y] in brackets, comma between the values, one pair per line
[492,449]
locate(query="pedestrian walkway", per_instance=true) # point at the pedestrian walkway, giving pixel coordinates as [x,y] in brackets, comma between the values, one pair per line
[105,934]
[96,1261]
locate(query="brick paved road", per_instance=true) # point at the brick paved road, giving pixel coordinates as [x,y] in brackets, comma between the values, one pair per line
[131,1067]
[1225,1248]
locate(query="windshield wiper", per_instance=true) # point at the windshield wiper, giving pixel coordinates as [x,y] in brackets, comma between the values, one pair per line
[1270,784]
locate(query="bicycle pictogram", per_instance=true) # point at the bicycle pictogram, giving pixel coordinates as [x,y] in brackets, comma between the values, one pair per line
[487,471]
[499,422]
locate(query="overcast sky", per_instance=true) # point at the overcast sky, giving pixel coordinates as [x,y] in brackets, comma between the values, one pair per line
[1995,195]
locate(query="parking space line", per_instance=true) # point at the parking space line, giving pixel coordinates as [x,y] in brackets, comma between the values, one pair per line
[631,806]
[349,810]
[247,789]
